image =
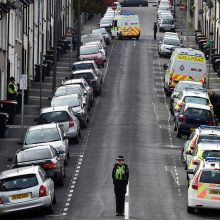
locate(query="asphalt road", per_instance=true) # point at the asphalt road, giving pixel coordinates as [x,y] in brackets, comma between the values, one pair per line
[131,118]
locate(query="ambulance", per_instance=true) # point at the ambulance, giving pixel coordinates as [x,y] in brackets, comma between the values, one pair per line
[126,26]
[184,64]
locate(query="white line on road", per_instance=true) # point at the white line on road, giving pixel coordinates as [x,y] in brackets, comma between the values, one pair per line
[134,43]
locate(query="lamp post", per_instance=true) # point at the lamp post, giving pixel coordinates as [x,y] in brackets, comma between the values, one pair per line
[187,22]
[78,29]
[210,43]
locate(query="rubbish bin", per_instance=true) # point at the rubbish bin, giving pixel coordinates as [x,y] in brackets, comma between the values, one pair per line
[19,101]
[9,106]
[3,123]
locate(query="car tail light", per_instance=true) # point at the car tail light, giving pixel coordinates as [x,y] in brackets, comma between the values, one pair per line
[43,191]
[196,182]
[182,118]
[71,123]
[50,165]
[195,162]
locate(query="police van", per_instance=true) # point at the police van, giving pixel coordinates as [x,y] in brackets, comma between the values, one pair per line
[126,26]
[184,64]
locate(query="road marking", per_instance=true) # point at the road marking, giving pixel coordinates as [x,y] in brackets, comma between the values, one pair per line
[127,203]
[155,110]
[134,43]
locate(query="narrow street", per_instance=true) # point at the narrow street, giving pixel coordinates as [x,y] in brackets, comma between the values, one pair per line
[130,118]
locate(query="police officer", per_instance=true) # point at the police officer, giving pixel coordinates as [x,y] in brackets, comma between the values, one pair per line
[120,176]
[12,89]
[155,30]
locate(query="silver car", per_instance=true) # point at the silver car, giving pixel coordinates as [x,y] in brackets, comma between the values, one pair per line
[73,89]
[51,134]
[26,188]
[84,84]
[63,115]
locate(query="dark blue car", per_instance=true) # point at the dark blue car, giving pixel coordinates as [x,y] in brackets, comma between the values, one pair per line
[128,3]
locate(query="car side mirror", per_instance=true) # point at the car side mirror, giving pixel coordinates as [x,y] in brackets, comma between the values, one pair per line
[66,77]
[10,159]
[60,152]
[190,171]
[188,152]
[21,142]
[85,93]
[49,98]
[165,66]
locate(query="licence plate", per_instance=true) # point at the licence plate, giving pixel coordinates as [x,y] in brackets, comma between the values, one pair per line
[20,196]
[214,191]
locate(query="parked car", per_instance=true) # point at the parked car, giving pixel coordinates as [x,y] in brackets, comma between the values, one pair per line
[106,23]
[129,3]
[88,64]
[191,116]
[167,45]
[26,188]
[92,52]
[66,118]
[84,84]
[75,102]
[51,134]
[167,24]
[91,77]
[45,156]
[105,34]
[73,89]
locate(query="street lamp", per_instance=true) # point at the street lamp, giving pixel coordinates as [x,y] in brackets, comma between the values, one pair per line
[187,22]
[78,29]
[210,43]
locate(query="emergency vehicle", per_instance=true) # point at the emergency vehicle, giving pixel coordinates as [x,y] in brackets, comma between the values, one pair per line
[204,188]
[184,64]
[126,26]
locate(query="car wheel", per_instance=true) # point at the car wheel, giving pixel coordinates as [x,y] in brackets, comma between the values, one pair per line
[80,134]
[66,160]
[182,157]
[49,210]
[190,209]
[178,133]
[76,139]
[174,128]
[54,199]
[61,182]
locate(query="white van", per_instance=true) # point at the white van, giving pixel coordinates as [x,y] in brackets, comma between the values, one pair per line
[126,26]
[184,64]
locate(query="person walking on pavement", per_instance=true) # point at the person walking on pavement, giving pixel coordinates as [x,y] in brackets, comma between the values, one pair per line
[12,89]
[120,176]
[155,30]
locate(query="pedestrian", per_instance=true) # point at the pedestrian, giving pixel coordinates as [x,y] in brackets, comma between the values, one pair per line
[155,30]
[12,89]
[120,176]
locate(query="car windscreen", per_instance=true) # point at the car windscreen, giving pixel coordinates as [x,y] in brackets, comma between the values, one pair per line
[18,182]
[181,86]
[198,113]
[172,41]
[67,90]
[210,176]
[33,154]
[89,50]
[167,21]
[208,137]
[42,136]
[49,117]
[210,153]
[85,75]
[83,66]
[196,100]
[69,101]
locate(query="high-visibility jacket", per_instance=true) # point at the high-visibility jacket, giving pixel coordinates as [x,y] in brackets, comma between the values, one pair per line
[10,90]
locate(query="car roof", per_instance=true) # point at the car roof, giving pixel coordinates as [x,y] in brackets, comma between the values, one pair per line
[66,96]
[189,82]
[40,146]
[199,106]
[43,126]
[189,51]
[93,43]
[172,37]
[54,109]
[88,46]
[82,71]
[195,93]
[84,61]
[19,171]
[74,81]
[209,146]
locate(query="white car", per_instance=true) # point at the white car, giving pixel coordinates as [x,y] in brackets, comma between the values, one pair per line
[100,46]
[26,188]
[63,115]
[204,187]
[52,134]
